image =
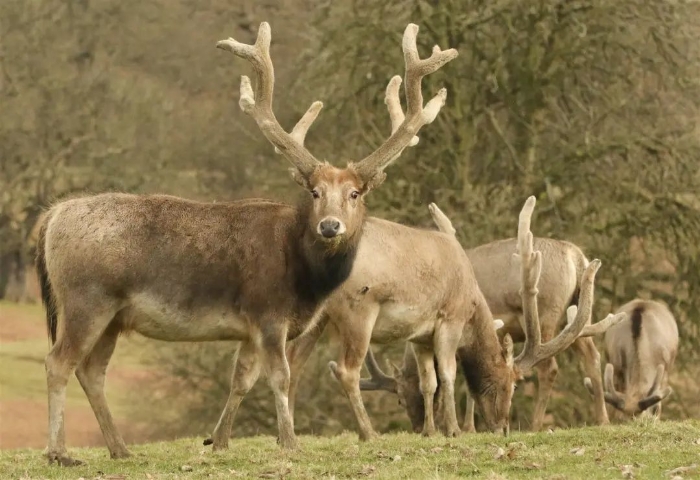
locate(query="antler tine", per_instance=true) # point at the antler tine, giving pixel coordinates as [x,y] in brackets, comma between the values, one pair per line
[441,220]
[302,127]
[378,379]
[530,268]
[258,103]
[612,396]
[602,326]
[581,316]
[404,134]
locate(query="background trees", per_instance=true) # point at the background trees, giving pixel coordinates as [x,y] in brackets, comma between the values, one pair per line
[590,105]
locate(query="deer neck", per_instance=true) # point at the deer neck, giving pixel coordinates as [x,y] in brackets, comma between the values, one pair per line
[323,266]
[480,354]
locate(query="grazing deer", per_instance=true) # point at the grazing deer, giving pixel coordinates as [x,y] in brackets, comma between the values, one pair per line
[418,285]
[559,285]
[641,352]
[177,270]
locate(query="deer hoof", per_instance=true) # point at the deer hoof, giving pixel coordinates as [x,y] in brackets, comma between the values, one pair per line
[63,460]
[207,441]
[428,432]
[289,443]
[469,429]
[451,433]
[120,454]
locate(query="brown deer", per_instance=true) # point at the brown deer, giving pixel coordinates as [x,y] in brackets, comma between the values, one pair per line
[418,285]
[641,352]
[177,270]
[497,258]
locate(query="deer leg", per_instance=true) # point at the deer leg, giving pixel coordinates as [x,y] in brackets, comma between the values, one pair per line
[298,352]
[81,330]
[428,385]
[355,338]
[246,370]
[547,371]
[447,340]
[277,369]
[590,362]
[91,375]
[468,425]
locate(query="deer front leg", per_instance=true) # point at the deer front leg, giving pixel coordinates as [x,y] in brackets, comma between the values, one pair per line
[447,339]
[468,424]
[298,352]
[246,370]
[547,371]
[590,362]
[279,379]
[354,334]
[428,385]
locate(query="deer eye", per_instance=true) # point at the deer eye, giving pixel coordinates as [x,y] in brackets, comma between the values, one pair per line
[314,193]
[354,194]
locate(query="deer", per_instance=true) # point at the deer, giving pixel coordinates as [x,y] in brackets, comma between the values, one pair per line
[253,271]
[560,283]
[565,257]
[418,286]
[641,352]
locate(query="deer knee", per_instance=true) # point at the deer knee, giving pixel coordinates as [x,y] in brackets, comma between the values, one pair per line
[348,378]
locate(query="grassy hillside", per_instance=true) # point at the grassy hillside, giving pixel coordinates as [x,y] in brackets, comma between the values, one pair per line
[642,449]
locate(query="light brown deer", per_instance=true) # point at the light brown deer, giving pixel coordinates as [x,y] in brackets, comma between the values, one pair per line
[178,270]
[499,276]
[418,285]
[641,352]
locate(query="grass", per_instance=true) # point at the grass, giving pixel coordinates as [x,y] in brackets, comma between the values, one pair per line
[641,449]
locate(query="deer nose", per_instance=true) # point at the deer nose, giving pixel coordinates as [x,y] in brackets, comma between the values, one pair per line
[329,227]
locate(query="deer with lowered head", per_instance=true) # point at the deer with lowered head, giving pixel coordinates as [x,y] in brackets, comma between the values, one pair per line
[177,270]
[418,285]
[500,277]
[641,352]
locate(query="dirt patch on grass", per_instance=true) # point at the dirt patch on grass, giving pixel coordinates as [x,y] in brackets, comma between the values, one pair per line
[24,424]
[18,324]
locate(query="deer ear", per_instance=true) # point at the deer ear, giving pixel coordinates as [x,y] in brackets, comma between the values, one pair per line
[508,350]
[298,177]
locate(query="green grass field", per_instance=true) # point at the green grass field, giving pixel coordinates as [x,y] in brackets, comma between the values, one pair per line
[642,449]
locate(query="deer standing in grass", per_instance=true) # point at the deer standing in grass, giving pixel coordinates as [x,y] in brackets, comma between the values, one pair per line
[499,275]
[641,352]
[177,270]
[418,285]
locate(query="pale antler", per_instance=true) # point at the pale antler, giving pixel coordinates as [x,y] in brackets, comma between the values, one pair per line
[258,104]
[404,134]
[378,379]
[655,394]
[441,221]
[612,396]
[531,266]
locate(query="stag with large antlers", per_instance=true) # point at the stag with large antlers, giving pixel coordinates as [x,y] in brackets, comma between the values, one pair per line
[178,270]
[641,352]
[517,281]
[419,286]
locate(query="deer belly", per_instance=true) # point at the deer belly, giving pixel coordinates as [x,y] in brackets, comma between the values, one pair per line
[156,318]
[398,322]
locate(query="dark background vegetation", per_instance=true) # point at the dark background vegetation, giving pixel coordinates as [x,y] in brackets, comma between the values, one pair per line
[592,106]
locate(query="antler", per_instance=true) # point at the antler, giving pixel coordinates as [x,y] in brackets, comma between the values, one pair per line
[441,220]
[258,104]
[531,266]
[378,379]
[404,129]
[616,399]
[612,396]
[656,394]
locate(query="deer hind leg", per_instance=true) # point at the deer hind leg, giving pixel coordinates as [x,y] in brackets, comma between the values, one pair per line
[81,331]
[447,340]
[590,362]
[468,425]
[246,369]
[91,375]
[428,385]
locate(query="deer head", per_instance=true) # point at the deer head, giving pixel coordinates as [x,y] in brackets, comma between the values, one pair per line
[336,209]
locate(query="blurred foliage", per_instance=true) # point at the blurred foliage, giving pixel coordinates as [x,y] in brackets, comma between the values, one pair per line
[590,105]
